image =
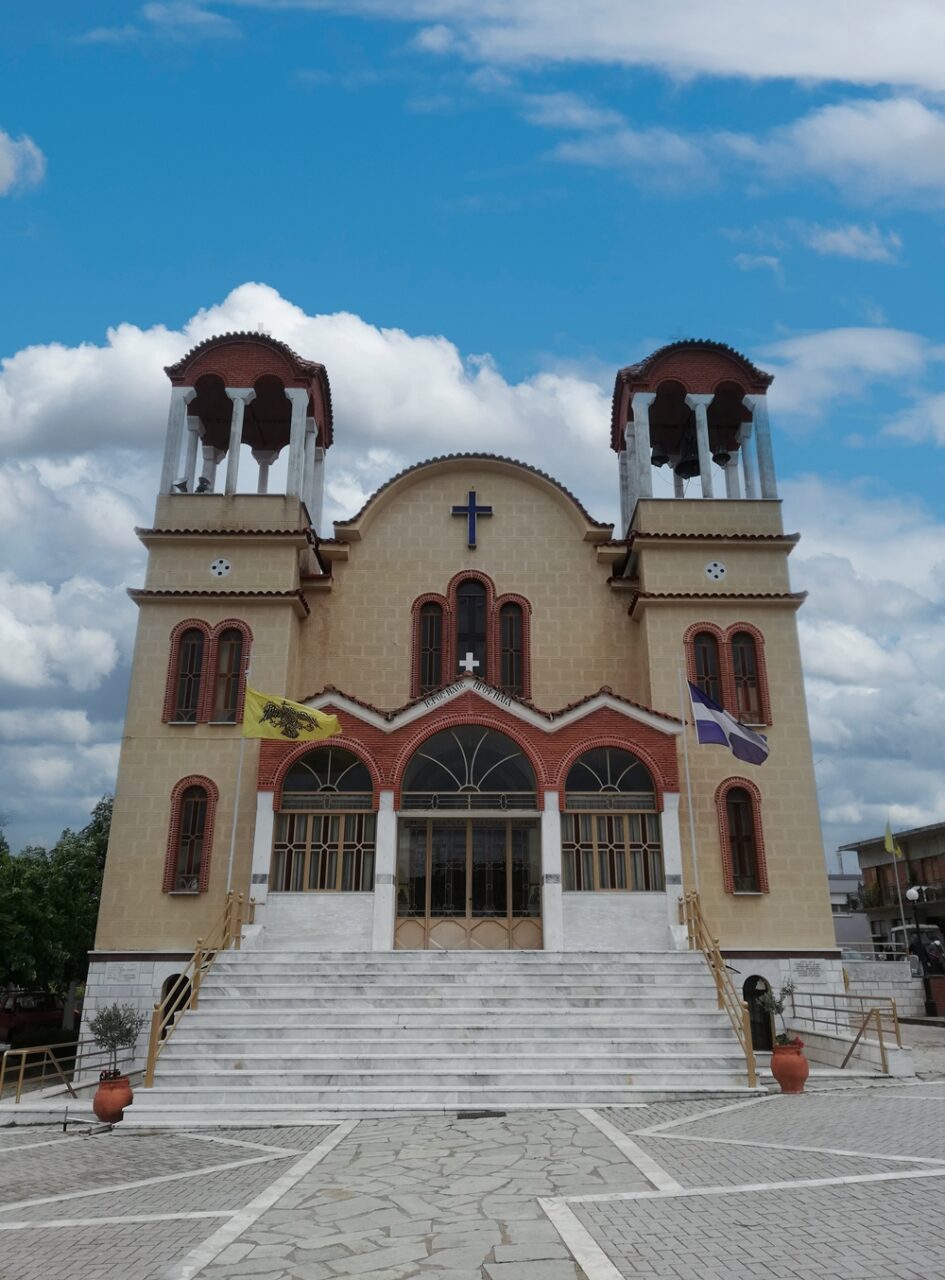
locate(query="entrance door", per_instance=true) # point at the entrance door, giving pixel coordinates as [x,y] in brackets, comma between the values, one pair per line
[468,884]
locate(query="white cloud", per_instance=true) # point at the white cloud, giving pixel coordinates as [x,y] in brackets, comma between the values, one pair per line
[182,20]
[568,111]
[866,244]
[924,421]
[758,262]
[855,41]
[46,637]
[22,164]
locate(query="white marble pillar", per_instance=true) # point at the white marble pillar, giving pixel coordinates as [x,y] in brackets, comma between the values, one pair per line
[308,462]
[759,416]
[317,504]
[552,906]
[262,847]
[241,396]
[194,432]
[385,875]
[746,446]
[672,865]
[640,403]
[212,458]
[299,398]
[679,487]
[622,466]
[264,458]
[700,406]
[632,470]
[732,487]
[180,399]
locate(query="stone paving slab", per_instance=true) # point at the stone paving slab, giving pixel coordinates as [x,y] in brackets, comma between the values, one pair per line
[866,1231]
[142,1251]
[702,1164]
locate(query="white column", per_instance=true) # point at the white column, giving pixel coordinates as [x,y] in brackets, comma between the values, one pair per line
[241,397]
[299,399]
[759,416]
[672,865]
[700,406]
[385,874]
[308,460]
[317,504]
[622,461]
[732,487]
[679,488]
[632,471]
[640,403]
[262,847]
[193,438]
[747,447]
[264,459]
[552,913]
[180,399]
[211,460]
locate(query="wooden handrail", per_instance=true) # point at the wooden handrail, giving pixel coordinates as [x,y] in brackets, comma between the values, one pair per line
[68,1056]
[699,939]
[184,995]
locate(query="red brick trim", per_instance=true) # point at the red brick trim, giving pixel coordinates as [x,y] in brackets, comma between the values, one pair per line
[429,597]
[609,740]
[173,668]
[512,597]
[689,644]
[450,656]
[350,744]
[728,874]
[173,835]
[209,692]
[417,739]
[764,695]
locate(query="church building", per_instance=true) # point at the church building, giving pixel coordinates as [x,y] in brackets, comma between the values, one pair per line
[509,676]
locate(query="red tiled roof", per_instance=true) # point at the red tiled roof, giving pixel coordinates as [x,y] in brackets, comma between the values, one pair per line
[141,593]
[799,596]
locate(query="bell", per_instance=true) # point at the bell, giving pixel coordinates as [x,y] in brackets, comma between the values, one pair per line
[688,466]
[659,458]
[181,486]
[721,458]
[203,485]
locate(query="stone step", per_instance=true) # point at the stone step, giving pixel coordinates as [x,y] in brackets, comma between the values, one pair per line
[310,1004]
[631,990]
[285,1067]
[316,1044]
[265,1022]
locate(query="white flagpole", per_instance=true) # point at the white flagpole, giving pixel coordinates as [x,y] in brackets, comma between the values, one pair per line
[692,820]
[236,794]
[902,914]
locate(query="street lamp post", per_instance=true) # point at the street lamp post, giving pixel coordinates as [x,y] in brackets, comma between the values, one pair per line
[914,894]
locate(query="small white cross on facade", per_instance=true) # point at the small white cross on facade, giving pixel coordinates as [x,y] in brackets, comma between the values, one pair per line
[469,664]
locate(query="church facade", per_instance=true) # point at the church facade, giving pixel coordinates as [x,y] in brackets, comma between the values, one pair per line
[514,771]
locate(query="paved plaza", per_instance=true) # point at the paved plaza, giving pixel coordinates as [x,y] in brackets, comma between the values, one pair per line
[843,1184]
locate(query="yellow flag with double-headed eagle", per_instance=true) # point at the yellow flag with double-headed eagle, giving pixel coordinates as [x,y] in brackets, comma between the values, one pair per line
[267,717]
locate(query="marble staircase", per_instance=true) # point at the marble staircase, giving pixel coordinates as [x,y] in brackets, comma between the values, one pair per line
[285,1035]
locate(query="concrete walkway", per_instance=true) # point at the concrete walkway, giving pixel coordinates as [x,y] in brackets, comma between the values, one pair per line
[842,1185]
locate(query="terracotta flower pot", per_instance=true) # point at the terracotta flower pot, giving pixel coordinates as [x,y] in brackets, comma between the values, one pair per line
[111,1098]
[789,1066]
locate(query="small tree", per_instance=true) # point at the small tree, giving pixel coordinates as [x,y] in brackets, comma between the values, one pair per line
[115,1027]
[774,1004]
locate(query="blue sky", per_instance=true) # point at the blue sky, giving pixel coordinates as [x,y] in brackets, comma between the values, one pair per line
[502,202]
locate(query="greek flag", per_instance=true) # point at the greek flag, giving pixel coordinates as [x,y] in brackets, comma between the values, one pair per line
[716,727]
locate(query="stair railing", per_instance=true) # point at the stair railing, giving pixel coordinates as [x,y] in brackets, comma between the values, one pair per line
[184,995]
[699,939]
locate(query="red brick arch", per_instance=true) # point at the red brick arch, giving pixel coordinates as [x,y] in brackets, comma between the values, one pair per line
[173,833]
[761,862]
[340,740]
[620,744]
[456,721]
[173,668]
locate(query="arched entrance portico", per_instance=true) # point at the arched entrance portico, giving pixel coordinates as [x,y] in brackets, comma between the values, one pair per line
[469,853]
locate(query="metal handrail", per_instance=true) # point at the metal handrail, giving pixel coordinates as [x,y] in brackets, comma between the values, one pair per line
[184,995]
[845,1013]
[66,1059]
[699,939]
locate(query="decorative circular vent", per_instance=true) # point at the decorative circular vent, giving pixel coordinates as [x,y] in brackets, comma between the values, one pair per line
[220,568]
[715,570]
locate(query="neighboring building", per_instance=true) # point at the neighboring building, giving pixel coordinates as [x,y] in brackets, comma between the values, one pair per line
[922,864]
[851,926]
[507,674]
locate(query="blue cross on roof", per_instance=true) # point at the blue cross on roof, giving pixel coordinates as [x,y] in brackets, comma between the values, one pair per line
[470,511]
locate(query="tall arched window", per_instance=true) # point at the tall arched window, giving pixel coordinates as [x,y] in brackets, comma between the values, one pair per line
[190,653]
[471,625]
[511,649]
[610,828]
[187,864]
[430,643]
[325,828]
[229,670]
[745,671]
[743,859]
[708,670]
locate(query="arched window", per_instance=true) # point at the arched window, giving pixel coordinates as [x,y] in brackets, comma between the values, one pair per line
[190,654]
[471,626]
[469,767]
[610,827]
[187,864]
[743,858]
[229,670]
[745,671]
[430,645]
[325,829]
[705,648]
[511,649]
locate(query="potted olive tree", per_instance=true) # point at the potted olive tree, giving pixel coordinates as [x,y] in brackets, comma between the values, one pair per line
[788,1065]
[115,1027]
